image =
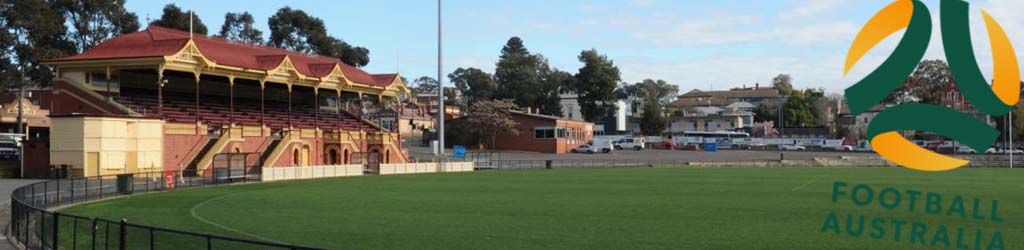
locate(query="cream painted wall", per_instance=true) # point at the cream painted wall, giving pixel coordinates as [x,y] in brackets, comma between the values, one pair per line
[114,140]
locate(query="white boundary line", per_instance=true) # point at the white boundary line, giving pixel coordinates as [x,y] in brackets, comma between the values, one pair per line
[193,213]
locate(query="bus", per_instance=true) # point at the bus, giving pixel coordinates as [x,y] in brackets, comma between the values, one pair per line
[717,134]
[724,139]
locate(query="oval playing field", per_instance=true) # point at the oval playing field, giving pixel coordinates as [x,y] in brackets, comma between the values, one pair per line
[652,208]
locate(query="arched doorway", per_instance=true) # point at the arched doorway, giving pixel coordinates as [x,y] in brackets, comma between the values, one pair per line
[373,161]
[295,157]
[332,156]
[305,155]
[345,157]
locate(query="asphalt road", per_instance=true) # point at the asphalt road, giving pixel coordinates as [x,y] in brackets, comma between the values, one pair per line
[658,154]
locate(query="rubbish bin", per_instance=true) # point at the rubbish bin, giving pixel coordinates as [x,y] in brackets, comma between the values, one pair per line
[65,171]
[710,147]
[51,172]
[125,184]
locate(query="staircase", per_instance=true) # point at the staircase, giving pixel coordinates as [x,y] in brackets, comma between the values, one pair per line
[190,169]
[268,149]
[273,152]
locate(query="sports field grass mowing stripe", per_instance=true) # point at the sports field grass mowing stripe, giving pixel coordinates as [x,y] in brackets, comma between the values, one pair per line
[659,208]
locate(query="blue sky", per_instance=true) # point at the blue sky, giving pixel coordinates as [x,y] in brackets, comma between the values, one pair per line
[694,44]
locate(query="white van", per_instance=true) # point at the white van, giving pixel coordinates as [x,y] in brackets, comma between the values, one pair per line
[635,143]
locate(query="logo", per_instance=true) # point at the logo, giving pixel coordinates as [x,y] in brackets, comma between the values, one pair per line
[914,17]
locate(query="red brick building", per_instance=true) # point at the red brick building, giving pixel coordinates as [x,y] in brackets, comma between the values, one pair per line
[545,134]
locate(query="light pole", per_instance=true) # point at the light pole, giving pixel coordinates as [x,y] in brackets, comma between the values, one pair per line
[440,86]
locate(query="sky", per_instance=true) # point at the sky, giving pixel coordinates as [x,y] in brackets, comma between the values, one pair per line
[694,44]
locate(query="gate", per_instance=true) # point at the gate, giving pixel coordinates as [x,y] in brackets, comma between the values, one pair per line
[373,161]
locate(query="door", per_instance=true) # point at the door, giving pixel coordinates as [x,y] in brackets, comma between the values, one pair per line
[373,161]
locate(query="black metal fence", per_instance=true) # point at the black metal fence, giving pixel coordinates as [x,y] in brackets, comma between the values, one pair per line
[35,227]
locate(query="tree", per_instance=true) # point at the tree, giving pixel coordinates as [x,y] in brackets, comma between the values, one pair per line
[653,120]
[239,27]
[925,84]
[516,74]
[527,79]
[659,90]
[800,111]
[35,30]
[351,55]
[595,84]
[175,18]
[295,30]
[766,112]
[783,83]
[425,85]
[486,118]
[552,83]
[475,84]
[95,21]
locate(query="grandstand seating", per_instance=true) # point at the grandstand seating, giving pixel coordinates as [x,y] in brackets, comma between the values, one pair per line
[216,111]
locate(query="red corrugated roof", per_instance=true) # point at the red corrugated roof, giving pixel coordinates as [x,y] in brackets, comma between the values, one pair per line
[158,41]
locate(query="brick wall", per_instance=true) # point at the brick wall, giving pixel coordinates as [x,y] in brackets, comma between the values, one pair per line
[179,147]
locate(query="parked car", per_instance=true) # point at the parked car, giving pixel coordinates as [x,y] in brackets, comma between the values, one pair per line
[966,150]
[634,143]
[603,146]
[585,148]
[1004,151]
[8,150]
[792,147]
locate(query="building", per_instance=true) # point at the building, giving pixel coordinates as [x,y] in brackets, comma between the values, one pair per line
[733,117]
[545,134]
[165,100]
[754,96]
[624,120]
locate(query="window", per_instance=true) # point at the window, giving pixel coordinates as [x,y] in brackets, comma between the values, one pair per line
[544,133]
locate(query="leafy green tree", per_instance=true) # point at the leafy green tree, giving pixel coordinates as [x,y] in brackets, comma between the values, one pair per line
[800,109]
[295,30]
[475,84]
[516,74]
[95,21]
[653,120]
[35,30]
[595,84]
[239,27]
[174,18]
[424,85]
[553,81]
[659,90]
[527,79]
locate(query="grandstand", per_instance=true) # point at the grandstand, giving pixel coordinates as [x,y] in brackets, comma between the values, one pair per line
[162,99]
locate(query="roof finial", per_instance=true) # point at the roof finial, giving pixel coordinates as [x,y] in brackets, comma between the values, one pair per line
[190,14]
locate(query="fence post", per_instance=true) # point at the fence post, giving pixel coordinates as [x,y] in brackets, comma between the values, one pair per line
[122,243]
[56,222]
[93,232]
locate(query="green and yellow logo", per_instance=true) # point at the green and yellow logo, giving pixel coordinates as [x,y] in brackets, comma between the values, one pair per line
[997,99]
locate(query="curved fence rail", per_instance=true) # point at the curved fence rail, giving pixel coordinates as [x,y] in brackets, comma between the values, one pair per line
[36,227]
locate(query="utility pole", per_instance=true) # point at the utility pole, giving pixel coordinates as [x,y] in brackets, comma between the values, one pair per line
[21,123]
[440,86]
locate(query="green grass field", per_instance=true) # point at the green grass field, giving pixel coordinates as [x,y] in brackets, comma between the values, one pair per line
[659,208]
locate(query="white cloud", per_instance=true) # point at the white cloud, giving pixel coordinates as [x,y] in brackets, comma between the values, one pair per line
[810,9]
[642,3]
